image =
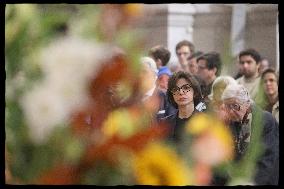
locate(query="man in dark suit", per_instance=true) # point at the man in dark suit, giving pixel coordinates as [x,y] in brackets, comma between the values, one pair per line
[256,134]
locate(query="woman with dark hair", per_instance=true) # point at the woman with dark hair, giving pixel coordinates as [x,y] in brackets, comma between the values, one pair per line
[184,93]
[270,83]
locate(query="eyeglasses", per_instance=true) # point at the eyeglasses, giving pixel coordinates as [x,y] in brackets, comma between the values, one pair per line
[185,88]
[235,107]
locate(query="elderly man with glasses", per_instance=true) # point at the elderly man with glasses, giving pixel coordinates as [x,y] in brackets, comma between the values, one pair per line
[254,131]
[152,97]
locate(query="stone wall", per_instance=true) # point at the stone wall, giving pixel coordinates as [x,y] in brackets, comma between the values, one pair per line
[208,26]
[261,31]
[212,29]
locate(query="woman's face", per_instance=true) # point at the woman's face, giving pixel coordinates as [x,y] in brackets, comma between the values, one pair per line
[270,84]
[183,93]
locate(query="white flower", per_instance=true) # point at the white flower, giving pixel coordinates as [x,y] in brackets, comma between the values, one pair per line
[73,57]
[43,111]
[68,65]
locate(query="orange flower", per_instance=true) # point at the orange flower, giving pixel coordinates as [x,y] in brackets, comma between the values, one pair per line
[133,10]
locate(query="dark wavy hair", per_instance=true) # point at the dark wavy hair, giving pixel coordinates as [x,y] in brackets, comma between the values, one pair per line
[160,52]
[251,52]
[213,60]
[197,94]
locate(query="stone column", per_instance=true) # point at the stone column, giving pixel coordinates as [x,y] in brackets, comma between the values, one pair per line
[167,24]
[212,28]
[212,31]
[238,28]
[154,25]
[180,26]
[261,30]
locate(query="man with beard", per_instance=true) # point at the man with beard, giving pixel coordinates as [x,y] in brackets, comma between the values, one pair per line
[249,65]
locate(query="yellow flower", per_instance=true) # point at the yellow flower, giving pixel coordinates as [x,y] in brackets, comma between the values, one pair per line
[198,123]
[214,143]
[158,164]
[224,135]
[133,9]
[119,122]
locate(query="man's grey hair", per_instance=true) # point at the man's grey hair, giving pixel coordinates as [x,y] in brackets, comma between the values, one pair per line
[150,62]
[238,92]
[220,83]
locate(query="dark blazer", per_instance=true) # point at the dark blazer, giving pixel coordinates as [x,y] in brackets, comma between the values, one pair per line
[176,131]
[267,165]
[267,172]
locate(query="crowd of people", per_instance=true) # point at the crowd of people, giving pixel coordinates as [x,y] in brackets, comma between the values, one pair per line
[244,103]
[161,95]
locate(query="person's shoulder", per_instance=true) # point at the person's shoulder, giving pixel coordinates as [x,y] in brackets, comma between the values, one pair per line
[266,116]
[169,117]
[265,113]
[258,79]
[257,109]
[276,104]
[275,107]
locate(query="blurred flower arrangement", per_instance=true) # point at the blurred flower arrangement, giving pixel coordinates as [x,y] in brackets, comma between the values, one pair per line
[64,126]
